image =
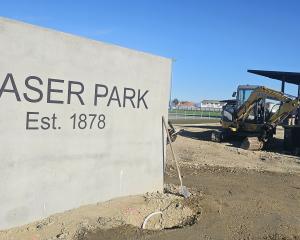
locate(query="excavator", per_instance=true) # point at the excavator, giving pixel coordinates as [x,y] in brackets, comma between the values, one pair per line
[254,115]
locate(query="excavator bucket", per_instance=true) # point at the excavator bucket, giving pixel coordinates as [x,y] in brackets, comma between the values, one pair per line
[172,132]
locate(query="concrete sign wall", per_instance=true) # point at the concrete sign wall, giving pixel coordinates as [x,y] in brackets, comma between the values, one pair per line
[80,122]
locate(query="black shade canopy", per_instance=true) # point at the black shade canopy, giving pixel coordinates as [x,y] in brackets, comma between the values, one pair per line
[289,77]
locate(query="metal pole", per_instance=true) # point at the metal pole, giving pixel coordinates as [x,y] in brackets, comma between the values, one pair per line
[298,112]
[283,85]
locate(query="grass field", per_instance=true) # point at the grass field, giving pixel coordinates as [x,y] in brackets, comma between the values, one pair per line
[194,121]
[195,113]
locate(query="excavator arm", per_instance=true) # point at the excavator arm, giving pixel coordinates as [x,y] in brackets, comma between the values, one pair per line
[288,105]
[257,94]
[283,112]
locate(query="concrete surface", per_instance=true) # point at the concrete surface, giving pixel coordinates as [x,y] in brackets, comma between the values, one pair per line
[48,163]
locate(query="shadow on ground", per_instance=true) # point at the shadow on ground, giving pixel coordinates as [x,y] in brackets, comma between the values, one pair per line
[202,127]
[276,145]
[204,136]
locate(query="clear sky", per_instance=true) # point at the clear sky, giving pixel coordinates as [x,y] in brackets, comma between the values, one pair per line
[213,42]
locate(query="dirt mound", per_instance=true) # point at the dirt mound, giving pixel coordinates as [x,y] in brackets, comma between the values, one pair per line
[133,210]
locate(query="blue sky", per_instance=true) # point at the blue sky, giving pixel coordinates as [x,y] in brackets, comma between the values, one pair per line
[213,42]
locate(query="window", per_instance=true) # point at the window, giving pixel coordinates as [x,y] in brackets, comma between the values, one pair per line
[243,95]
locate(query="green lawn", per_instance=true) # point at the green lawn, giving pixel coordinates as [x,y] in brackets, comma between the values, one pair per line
[194,121]
[195,113]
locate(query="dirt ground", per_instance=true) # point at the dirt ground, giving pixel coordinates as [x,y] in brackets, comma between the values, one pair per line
[240,194]
[236,194]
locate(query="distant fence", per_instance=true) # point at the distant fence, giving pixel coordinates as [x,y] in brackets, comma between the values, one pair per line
[200,113]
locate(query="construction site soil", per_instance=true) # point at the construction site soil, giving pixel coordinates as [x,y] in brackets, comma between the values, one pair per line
[235,194]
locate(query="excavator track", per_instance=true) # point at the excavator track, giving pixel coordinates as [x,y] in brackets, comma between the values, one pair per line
[217,136]
[252,143]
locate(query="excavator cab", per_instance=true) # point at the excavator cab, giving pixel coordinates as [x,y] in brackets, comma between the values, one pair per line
[243,93]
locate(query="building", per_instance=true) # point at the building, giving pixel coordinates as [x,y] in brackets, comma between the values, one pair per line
[212,104]
[186,105]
